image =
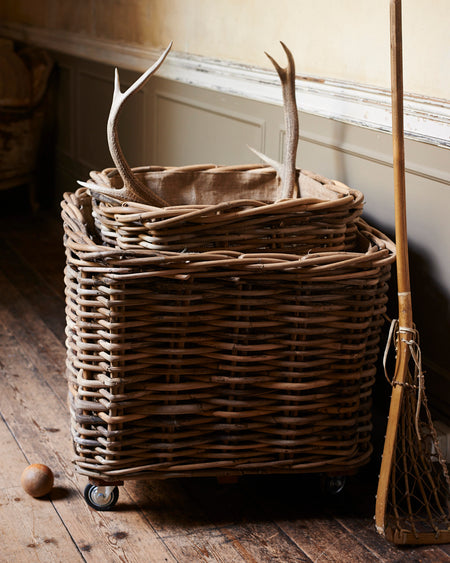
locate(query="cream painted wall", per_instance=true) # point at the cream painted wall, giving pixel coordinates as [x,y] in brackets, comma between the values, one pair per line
[341,39]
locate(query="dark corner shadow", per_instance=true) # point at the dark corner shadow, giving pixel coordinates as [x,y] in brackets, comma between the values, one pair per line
[431,317]
[203,501]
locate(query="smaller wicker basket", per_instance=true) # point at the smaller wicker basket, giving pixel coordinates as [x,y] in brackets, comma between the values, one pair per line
[247,208]
[216,362]
[229,207]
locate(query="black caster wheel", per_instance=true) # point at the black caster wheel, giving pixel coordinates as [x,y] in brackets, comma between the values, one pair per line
[101,498]
[334,484]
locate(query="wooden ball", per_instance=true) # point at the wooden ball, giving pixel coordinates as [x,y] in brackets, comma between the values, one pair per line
[37,480]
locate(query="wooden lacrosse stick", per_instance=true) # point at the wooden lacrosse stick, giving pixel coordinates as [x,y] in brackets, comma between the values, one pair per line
[402,382]
[402,262]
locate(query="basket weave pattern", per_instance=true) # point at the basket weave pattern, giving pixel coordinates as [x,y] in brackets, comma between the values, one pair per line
[218,361]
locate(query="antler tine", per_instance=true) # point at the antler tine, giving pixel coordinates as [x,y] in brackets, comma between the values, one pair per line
[270,161]
[140,82]
[287,171]
[287,77]
[133,189]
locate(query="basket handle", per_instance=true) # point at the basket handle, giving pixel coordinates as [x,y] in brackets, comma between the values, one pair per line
[287,171]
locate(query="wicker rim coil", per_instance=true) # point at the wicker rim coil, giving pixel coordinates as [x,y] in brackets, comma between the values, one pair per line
[220,362]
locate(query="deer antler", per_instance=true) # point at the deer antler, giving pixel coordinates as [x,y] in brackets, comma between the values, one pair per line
[133,189]
[287,171]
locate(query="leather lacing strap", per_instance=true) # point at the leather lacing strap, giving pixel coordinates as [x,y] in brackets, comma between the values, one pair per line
[397,332]
[410,336]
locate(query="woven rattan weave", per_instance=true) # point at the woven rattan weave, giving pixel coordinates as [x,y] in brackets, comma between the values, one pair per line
[220,362]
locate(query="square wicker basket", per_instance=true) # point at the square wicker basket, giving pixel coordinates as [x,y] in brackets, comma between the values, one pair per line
[220,362]
[221,320]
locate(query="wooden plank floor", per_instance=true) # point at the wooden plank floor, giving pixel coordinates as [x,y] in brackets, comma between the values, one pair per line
[260,519]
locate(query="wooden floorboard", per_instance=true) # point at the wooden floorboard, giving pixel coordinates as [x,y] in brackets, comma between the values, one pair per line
[31,529]
[259,519]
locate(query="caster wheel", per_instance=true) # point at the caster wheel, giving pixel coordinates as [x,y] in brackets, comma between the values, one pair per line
[101,498]
[333,485]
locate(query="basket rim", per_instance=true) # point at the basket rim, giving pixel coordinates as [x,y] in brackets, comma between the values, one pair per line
[76,214]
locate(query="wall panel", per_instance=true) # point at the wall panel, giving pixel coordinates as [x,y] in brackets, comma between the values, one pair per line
[189,133]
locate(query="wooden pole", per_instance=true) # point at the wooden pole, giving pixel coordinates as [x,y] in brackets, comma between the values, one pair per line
[403,280]
[404,290]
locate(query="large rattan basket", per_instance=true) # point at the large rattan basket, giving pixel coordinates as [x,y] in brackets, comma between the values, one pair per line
[220,362]
[221,320]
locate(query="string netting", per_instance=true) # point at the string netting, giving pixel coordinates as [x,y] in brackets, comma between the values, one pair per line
[417,509]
